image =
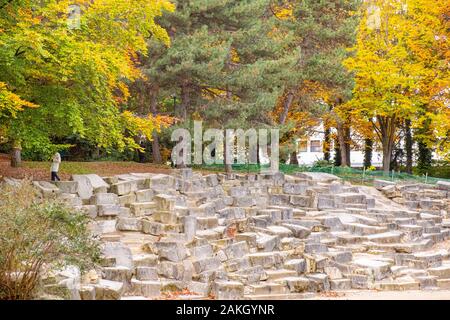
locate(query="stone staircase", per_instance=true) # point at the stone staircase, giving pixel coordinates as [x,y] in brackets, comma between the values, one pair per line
[258,236]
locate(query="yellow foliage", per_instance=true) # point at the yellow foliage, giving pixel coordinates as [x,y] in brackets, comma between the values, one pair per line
[234,56]
[284,12]
[401,63]
[144,126]
[11,103]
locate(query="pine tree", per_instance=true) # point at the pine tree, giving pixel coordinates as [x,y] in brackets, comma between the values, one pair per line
[226,64]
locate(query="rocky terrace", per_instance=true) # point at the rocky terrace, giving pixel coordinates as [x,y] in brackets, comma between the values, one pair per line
[261,236]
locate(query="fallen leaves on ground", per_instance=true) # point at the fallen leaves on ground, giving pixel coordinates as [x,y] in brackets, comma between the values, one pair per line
[41,170]
[174,295]
[331,294]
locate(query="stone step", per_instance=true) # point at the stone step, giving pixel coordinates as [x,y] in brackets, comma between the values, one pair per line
[398,285]
[363,229]
[204,223]
[142,208]
[386,237]
[378,269]
[279,274]
[146,288]
[295,284]
[443,283]
[344,239]
[283,296]
[265,259]
[266,288]
[340,284]
[442,272]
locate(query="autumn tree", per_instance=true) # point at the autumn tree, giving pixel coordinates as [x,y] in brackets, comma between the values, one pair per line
[318,82]
[398,64]
[77,76]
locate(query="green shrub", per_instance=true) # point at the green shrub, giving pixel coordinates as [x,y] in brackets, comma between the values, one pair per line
[321,164]
[38,233]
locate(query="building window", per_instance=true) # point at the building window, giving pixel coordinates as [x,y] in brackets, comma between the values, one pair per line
[303,146]
[315,146]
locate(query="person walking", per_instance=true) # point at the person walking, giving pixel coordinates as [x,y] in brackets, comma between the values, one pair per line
[56,160]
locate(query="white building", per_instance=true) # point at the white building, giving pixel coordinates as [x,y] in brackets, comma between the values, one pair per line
[310,150]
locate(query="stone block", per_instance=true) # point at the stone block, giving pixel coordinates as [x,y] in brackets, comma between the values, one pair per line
[172,251]
[104,198]
[67,186]
[144,195]
[127,199]
[124,187]
[139,209]
[206,264]
[128,224]
[148,289]
[164,202]
[300,201]
[228,290]
[108,290]
[107,210]
[298,231]
[146,273]
[153,228]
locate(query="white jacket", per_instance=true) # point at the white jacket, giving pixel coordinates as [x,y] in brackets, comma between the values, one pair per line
[56,160]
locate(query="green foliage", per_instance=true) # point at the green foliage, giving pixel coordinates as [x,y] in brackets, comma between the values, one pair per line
[322,164]
[424,158]
[440,169]
[78,77]
[226,64]
[37,234]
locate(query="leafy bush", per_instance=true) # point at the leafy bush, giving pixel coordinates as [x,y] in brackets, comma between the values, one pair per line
[38,234]
[321,164]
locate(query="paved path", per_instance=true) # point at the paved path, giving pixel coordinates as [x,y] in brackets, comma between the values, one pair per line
[388,295]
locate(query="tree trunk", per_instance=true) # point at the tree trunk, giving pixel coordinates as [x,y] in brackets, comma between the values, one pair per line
[347,144]
[327,144]
[368,145]
[387,155]
[293,158]
[228,166]
[337,154]
[408,146]
[258,157]
[16,158]
[185,101]
[387,134]
[342,144]
[156,151]
[286,107]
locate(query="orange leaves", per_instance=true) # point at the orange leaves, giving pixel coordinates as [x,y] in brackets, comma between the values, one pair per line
[145,126]
[174,295]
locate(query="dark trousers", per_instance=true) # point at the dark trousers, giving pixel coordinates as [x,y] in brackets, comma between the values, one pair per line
[55,176]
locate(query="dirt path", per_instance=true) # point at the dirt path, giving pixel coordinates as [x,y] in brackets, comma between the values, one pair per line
[41,170]
[387,295]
